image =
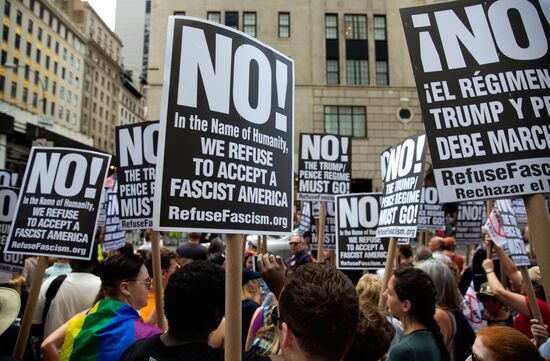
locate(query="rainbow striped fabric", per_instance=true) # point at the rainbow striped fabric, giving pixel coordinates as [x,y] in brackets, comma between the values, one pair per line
[104,333]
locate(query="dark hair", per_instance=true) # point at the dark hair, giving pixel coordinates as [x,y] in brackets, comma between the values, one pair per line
[165,256]
[217,258]
[117,268]
[128,248]
[320,306]
[417,287]
[373,337]
[406,250]
[216,245]
[194,300]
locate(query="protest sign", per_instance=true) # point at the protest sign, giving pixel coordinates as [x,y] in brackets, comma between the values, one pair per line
[57,208]
[431,215]
[227,112]
[137,157]
[520,211]
[9,262]
[305,219]
[402,173]
[469,219]
[9,178]
[324,169]
[505,233]
[481,71]
[115,237]
[357,246]
[102,209]
[330,230]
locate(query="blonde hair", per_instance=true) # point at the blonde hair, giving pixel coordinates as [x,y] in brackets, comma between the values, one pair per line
[369,288]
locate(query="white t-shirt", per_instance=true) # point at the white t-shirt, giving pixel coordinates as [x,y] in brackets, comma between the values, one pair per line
[77,293]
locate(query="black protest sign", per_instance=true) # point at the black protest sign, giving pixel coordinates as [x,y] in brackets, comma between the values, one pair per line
[330,226]
[520,211]
[505,233]
[137,157]
[57,208]
[481,70]
[9,178]
[102,209]
[225,158]
[9,262]
[324,169]
[305,219]
[431,215]
[357,246]
[469,219]
[115,237]
[402,175]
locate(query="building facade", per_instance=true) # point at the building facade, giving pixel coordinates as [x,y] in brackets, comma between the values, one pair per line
[132,23]
[41,72]
[352,69]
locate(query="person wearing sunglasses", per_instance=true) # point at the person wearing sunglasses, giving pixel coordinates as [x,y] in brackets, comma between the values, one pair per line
[113,323]
[502,343]
[299,253]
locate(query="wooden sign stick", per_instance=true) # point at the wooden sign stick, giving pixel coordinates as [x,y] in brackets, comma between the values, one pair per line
[157,278]
[233,296]
[387,272]
[321,232]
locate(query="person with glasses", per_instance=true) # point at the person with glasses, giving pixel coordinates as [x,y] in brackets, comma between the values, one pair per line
[300,254]
[194,304]
[113,323]
[501,343]
[168,265]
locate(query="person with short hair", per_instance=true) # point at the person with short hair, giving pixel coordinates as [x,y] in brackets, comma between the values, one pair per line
[194,305]
[300,254]
[437,246]
[113,323]
[450,247]
[501,343]
[318,313]
[193,250]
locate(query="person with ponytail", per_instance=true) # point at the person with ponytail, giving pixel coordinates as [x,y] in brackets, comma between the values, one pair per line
[411,298]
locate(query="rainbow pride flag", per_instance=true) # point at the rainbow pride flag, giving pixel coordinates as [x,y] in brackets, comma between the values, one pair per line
[104,333]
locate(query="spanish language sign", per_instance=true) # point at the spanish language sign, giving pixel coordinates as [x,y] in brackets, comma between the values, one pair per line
[402,169]
[225,157]
[330,230]
[481,70]
[57,208]
[357,246]
[431,215]
[9,262]
[505,233]
[324,166]
[469,219]
[137,156]
[115,237]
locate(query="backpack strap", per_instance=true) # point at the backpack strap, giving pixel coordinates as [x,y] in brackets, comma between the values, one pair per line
[50,295]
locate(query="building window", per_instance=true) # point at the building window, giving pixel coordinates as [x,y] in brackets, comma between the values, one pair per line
[333,73]
[7,8]
[346,120]
[284,25]
[249,23]
[214,16]
[232,19]
[34,100]
[13,89]
[57,47]
[382,72]
[355,26]
[379,27]
[357,71]
[29,26]
[31,5]
[4,57]
[38,55]
[49,41]
[39,33]
[28,51]
[5,33]
[27,72]
[19,17]
[182,13]
[2,84]
[331,26]
[25,95]
[17,41]
[52,109]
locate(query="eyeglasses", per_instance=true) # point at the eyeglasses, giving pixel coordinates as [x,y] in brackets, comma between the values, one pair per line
[278,320]
[148,282]
[294,243]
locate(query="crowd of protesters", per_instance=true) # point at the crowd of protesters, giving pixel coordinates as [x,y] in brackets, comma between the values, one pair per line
[436,307]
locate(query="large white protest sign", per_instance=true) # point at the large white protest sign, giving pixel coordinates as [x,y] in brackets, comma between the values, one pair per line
[114,237]
[57,208]
[137,157]
[431,215]
[481,70]
[505,233]
[402,175]
[469,219]
[9,262]
[225,159]
[324,166]
[330,226]
[357,246]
